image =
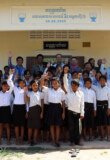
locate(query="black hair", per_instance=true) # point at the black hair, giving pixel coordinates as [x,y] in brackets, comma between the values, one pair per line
[59,54]
[38,74]
[98,72]
[4,83]
[39,55]
[26,71]
[90,59]
[20,80]
[19,58]
[103,77]
[74,72]
[32,82]
[75,83]
[1,71]
[46,80]
[56,79]
[85,71]
[87,63]
[6,67]
[66,65]
[87,80]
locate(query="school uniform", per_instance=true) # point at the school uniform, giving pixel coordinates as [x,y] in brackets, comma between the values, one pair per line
[19,107]
[45,126]
[89,107]
[103,103]
[34,111]
[55,98]
[75,103]
[5,110]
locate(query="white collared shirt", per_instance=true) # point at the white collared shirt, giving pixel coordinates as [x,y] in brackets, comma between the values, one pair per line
[102,93]
[75,100]
[35,98]
[45,93]
[5,98]
[19,93]
[55,96]
[89,96]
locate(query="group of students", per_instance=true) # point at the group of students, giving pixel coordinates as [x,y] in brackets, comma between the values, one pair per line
[58,101]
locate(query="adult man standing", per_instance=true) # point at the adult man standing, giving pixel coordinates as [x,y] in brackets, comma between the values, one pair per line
[38,67]
[58,61]
[19,69]
[74,66]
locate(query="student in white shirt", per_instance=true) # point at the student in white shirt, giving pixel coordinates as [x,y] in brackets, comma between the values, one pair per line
[19,108]
[90,108]
[5,110]
[35,111]
[75,102]
[103,107]
[56,100]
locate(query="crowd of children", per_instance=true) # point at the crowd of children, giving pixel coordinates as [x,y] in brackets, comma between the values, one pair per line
[59,99]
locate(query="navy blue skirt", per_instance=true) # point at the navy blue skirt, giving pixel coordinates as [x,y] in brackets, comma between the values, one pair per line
[5,114]
[44,125]
[19,112]
[54,114]
[88,121]
[102,118]
[34,121]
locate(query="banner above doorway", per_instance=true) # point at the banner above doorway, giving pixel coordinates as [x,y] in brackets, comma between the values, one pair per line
[56,16]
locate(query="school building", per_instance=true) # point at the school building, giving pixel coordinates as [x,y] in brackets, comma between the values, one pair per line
[71,27]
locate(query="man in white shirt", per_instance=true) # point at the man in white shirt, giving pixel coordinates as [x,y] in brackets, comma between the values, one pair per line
[75,103]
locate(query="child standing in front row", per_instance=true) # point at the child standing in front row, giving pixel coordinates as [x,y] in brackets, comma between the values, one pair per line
[19,108]
[90,108]
[103,107]
[35,112]
[56,100]
[5,111]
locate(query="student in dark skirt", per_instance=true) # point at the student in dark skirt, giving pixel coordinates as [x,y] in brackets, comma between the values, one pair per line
[35,112]
[89,108]
[19,108]
[103,107]
[56,99]
[5,111]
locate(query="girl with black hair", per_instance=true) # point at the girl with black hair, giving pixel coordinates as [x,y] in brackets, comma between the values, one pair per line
[5,111]
[19,108]
[56,100]
[35,110]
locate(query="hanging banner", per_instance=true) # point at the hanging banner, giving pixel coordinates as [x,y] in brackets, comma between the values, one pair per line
[55,15]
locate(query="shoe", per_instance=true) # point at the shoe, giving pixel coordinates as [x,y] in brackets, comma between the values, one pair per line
[74,154]
[71,151]
[57,144]
[32,143]
[77,150]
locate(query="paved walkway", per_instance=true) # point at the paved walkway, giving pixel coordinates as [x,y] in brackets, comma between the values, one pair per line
[96,144]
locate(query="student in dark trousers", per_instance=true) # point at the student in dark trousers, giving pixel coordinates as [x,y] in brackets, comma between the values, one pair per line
[75,103]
